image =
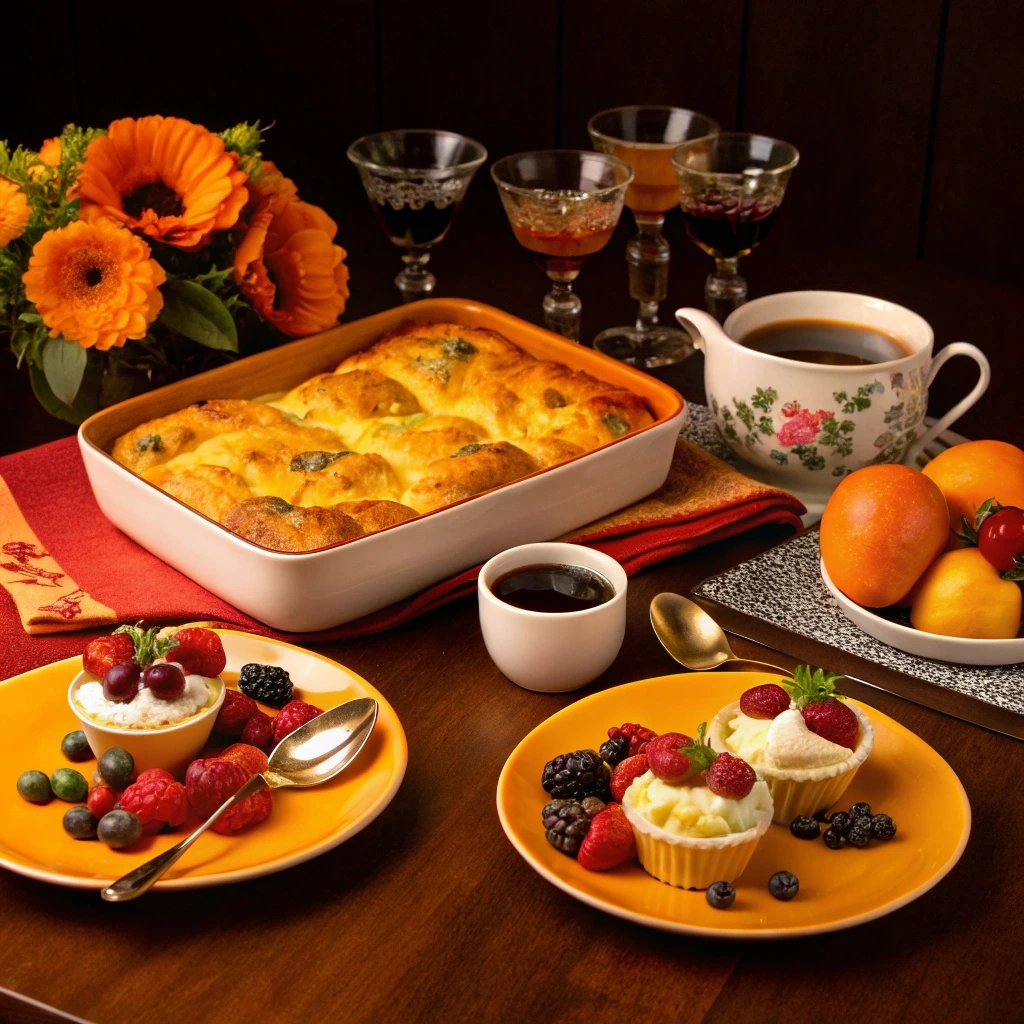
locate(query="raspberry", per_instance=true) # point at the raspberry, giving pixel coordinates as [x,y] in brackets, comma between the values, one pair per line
[252,759]
[103,653]
[625,772]
[639,736]
[609,841]
[730,777]
[156,800]
[293,714]
[199,651]
[269,684]
[236,710]
[766,701]
[259,731]
[211,781]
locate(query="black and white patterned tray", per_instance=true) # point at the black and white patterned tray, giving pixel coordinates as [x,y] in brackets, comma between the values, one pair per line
[783,587]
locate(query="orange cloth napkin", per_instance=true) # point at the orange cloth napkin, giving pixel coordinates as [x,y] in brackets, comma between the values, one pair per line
[64,567]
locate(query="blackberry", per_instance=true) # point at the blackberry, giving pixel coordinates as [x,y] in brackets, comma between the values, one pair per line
[615,749]
[833,840]
[860,810]
[805,827]
[576,775]
[860,832]
[841,822]
[268,684]
[566,822]
[783,885]
[883,827]
[720,895]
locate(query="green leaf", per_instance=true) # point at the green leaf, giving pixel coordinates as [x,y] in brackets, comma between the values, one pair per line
[86,402]
[64,366]
[196,313]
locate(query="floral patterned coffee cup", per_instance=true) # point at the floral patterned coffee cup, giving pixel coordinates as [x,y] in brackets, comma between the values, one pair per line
[806,425]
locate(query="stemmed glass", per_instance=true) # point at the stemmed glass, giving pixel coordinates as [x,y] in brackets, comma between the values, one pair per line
[731,187]
[415,180]
[563,205]
[645,137]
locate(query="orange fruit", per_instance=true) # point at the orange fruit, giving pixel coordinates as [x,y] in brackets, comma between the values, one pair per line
[971,473]
[882,527]
[962,594]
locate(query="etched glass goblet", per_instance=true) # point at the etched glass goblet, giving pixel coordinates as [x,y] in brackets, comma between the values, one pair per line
[644,137]
[563,205]
[415,180]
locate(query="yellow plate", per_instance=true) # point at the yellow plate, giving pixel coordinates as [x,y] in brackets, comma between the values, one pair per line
[902,777]
[34,716]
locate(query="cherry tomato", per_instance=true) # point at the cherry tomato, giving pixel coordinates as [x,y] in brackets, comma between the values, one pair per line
[1001,537]
[101,801]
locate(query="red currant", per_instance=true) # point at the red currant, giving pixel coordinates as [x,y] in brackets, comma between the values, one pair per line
[121,683]
[101,801]
[1001,538]
[165,681]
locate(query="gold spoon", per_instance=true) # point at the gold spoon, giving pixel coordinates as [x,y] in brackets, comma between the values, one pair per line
[692,637]
[312,754]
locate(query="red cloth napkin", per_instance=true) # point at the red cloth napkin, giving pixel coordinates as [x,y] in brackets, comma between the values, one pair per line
[65,569]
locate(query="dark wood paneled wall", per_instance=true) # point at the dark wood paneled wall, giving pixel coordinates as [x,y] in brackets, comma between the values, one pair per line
[906,112]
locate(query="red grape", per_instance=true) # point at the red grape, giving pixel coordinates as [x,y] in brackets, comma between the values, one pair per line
[166,681]
[1001,537]
[121,683]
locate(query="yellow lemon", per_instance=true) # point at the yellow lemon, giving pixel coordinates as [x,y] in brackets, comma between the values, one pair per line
[962,594]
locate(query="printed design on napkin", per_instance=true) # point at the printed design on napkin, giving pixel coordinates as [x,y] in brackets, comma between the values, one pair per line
[47,599]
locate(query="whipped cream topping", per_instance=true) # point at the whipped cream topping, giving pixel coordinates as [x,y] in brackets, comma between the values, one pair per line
[146,711]
[694,810]
[782,742]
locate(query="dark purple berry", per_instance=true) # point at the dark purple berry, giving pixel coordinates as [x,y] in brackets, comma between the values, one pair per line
[166,681]
[883,827]
[833,840]
[860,810]
[840,822]
[720,895]
[805,827]
[783,885]
[121,683]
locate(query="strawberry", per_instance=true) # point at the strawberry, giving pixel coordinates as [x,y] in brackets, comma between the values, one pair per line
[818,700]
[259,731]
[609,841]
[674,757]
[730,777]
[236,710]
[251,758]
[625,772]
[103,653]
[638,735]
[294,714]
[832,721]
[199,651]
[766,701]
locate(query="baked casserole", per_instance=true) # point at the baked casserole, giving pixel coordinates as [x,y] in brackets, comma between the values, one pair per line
[427,416]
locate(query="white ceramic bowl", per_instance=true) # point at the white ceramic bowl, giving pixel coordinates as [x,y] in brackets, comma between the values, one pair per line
[171,747]
[549,652]
[959,650]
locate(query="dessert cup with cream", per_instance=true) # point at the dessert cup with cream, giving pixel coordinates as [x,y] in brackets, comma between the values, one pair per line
[805,772]
[689,837]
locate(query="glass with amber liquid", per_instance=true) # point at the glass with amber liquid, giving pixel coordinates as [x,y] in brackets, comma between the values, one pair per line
[644,137]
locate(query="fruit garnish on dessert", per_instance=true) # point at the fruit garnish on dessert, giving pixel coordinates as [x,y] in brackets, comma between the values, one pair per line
[609,841]
[269,684]
[766,701]
[200,651]
[572,776]
[638,737]
[251,758]
[625,772]
[157,800]
[234,713]
[210,781]
[258,731]
[720,895]
[673,758]
[294,714]
[857,827]
[784,885]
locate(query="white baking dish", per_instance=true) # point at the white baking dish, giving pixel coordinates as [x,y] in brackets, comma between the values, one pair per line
[307,591]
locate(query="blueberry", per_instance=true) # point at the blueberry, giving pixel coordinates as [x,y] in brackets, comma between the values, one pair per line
[883,827]
[69,785]
[860,833]
[75,747]
[860,811]
[822,816]
[119,829]
[805,827]
[35,787]
[720,895]
[116,768]
[79,823]
[833,840]
[783,885]
[840,822]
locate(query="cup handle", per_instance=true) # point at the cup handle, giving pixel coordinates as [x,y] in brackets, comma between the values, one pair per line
[957,348]
[698,325]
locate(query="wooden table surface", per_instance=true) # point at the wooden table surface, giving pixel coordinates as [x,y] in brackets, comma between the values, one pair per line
[429,914]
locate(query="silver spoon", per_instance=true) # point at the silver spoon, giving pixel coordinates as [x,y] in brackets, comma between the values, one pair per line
[692,637]
[312,754]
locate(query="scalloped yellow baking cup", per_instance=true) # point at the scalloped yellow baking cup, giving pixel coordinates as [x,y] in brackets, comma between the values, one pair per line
[792,798]
[692,867]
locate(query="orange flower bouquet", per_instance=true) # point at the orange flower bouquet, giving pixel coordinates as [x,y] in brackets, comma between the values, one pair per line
[153,250]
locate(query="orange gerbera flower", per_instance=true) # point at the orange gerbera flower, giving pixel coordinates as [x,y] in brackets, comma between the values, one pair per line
[49,152]
[290,269]
[164,176]
[14,211]
[94,284]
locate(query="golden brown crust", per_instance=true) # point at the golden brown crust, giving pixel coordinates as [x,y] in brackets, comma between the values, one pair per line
[337,398]
[377,515]
[211,490]
[276,524]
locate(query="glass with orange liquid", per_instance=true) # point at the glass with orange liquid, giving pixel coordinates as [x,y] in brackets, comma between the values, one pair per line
[644,137]
[563,205]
